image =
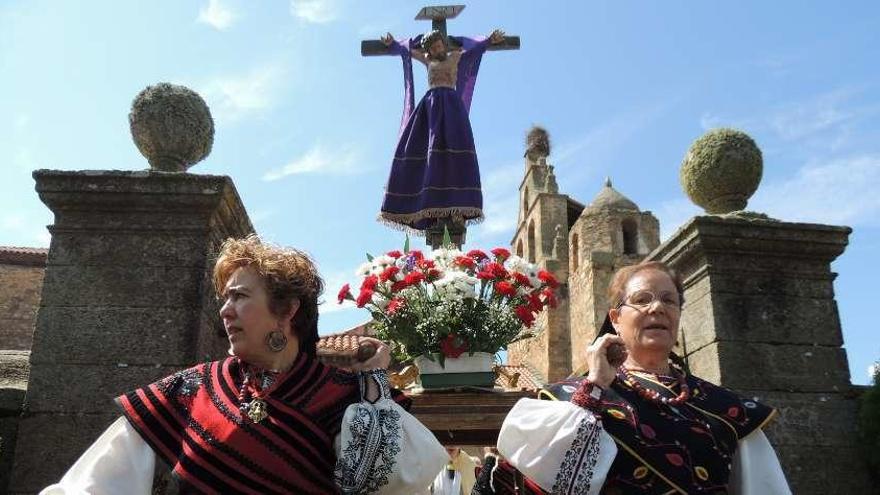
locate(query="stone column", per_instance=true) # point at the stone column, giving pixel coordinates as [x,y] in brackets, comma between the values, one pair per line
[127,294]
[760,316]
[126,300]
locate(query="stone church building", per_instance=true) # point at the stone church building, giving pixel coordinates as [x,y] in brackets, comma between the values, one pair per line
[759,316]
[582,246]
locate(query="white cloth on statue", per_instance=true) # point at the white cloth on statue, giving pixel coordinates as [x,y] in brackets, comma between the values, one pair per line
[120,461]
[543,438]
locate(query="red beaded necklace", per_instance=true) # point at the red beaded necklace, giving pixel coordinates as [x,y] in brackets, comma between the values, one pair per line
[654,396]
[256,408]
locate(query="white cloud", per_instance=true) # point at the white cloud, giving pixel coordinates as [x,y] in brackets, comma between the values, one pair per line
[232,98]
[841,191]
[12,222]
[576,159]
[805,118]
[216,15]
[21,122]
[19,230]
[341,160]
[314,11]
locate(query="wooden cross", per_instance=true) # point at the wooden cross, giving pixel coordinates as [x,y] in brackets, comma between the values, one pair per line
[437,15]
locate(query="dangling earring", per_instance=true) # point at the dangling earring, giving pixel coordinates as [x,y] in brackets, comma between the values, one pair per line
[276,341]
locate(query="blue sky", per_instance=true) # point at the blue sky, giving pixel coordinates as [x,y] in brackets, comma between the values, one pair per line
[306,126]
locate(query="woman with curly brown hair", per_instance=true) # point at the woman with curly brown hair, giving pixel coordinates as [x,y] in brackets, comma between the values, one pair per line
[270,418]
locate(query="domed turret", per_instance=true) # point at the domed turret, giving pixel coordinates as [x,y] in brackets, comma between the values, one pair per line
[611,198]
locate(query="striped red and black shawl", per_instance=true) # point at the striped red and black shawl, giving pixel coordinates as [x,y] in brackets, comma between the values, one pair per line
[192,420]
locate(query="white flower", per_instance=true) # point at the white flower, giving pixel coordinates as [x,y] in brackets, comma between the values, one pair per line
[515,263]
[383,260]
[380,300]
[364,269]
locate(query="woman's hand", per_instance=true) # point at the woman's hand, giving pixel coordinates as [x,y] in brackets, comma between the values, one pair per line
[387,39]
[381,359]
[496,37]
[602,372]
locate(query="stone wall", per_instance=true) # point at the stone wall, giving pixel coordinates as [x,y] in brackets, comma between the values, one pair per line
[21,270]
[760,318]
[126,299]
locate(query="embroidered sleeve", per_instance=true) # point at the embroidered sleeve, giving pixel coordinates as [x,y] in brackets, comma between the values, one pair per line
[384,449]
[558,445]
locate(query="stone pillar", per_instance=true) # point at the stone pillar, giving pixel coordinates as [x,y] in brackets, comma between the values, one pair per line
[760,318]
[126,299]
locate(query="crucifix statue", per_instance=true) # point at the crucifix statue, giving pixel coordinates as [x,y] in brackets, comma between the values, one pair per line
[434,184]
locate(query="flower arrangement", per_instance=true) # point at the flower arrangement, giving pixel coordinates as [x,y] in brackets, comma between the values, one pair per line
[453,302]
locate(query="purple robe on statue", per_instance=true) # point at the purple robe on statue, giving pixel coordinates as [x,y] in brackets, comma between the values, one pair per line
[435,173]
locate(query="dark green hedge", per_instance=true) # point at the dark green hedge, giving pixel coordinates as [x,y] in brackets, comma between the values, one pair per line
[869,428]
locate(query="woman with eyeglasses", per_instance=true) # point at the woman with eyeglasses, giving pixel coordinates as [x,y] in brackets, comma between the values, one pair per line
[638,423]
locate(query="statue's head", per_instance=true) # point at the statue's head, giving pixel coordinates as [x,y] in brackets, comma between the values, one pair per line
[434,45]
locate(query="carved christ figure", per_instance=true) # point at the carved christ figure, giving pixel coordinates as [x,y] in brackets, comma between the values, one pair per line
[434,174]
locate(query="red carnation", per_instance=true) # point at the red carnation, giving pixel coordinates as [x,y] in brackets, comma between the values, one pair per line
[477,254]
[413,278]
[525,315]
[549,297]
[493,271]
[449,348]
[396,286]
[465,262]
[389,273]
[364,297]
[522,279]
[535,302]
[394,254]
[394,305]
[548,278]
[433,275]
[416,255]
[501,254]
[424,264]
[505,289]
[370,283]
[344,293]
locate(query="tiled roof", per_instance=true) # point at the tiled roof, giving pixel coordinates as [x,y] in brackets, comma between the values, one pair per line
[342,343]
[528,379]
[28,256]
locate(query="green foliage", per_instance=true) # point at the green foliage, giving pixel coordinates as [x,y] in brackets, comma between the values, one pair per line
[869,428]
[421,325]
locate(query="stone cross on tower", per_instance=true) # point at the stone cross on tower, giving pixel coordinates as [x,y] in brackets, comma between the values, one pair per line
[429,189]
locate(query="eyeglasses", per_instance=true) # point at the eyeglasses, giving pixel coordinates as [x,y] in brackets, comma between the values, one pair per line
[643,299]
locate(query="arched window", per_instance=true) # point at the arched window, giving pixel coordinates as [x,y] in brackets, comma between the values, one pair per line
[519,248]
[531,242]
[525,206]
[575,252]
[630,236]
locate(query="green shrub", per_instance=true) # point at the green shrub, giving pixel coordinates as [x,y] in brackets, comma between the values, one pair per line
[869,427]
